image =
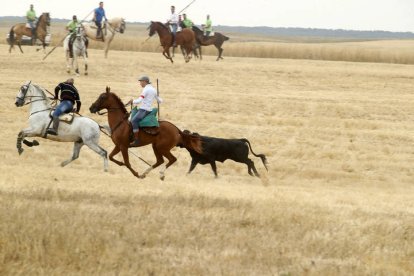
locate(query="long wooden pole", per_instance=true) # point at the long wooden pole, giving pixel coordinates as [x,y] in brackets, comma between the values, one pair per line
[158,94]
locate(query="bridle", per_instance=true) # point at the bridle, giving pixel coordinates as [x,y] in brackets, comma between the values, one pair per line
[25,88]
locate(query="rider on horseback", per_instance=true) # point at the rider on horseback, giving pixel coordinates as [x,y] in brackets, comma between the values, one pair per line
[146,98]
[173,22]
[98,15]
[31,18]
[68,96]
[72,27]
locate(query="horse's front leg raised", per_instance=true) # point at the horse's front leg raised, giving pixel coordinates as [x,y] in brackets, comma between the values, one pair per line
[20,138]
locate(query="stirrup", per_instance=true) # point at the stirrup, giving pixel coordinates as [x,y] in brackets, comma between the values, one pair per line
[51,131]
[135,143]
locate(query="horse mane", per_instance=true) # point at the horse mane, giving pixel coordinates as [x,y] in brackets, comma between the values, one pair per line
[197,29]
[42,90]
[119,101]
[162,25]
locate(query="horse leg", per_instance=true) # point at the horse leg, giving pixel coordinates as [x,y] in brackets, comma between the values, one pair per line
[159,161]
[76,149]
[20,46]
[113,153]
[86,63]
[27,132]
[166,54]
[76,64]
[124,151]
[68,65]
[171,160]
[30,144]
[93,145]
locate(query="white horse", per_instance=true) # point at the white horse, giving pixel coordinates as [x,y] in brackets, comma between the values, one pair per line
[79,49]
[113,26]
[82,130]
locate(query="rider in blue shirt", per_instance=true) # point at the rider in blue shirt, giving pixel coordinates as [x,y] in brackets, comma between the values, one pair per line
[98,15]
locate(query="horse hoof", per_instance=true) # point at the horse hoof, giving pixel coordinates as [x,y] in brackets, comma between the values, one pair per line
[142,176]
[68,71]
[86,73]
[162,177]
[35,143]
[20,150]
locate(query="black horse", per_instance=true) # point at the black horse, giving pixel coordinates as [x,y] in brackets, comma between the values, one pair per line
[217,40]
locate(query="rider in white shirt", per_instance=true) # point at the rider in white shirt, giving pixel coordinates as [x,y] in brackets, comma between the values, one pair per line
[148,95]
[173,22]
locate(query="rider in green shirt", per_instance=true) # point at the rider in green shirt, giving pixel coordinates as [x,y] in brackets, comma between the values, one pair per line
[208,27]
[31,18]
[71,27]
[187,22]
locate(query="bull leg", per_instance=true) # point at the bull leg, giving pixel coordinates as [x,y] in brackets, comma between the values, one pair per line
[214,168]
[20,46]
[76,149]
[192,166]
[250,167]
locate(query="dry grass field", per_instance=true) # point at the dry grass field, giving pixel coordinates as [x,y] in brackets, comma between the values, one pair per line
[338,198]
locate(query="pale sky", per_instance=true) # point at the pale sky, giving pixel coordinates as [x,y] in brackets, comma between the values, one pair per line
[387,15]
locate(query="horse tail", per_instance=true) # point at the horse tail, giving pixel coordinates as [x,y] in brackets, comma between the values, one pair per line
[191,141]
[262,156]
[11,36]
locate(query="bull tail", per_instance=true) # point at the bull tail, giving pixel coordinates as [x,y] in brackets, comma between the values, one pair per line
[226,37]
[262,156]
[191,141]
[11,36]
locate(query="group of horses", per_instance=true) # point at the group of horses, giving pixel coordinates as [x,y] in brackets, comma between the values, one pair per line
[190,40]
[84,131]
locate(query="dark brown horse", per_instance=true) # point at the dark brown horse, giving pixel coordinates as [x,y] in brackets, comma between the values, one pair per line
[185,38]
[217,40]
[167,137]
[18,30]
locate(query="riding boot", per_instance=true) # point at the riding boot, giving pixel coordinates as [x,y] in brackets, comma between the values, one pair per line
[135,143]
[174,43]
[54,130]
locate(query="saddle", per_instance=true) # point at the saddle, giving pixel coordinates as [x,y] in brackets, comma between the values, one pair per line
[66,117]
[149,124]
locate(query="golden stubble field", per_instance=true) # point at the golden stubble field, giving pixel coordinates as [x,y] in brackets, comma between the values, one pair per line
[337,200]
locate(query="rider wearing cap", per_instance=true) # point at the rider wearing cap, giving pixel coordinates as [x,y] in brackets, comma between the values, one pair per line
[145,100]
[68,96]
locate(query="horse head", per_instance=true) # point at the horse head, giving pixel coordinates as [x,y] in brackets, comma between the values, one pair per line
[21,95]
[151,28]
[46,18]
[118,24]
[107,100]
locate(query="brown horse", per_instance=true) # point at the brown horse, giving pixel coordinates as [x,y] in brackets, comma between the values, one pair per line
[217,40]
[185,38]
[167,136]
[18,30]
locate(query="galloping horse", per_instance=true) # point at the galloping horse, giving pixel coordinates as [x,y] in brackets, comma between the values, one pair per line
[113,26]
[168,135]
[184,38]
[82,130]
[18,30]
[79,49]
[217,40]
